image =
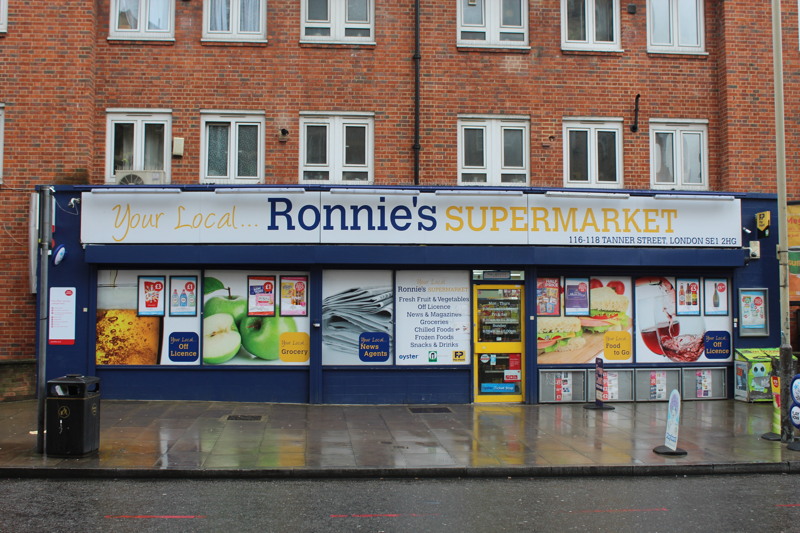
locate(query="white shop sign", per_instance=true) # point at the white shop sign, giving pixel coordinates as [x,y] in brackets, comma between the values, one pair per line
[314,217]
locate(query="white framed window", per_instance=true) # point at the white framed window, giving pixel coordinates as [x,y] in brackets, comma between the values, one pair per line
[232,147]
[593,152]
[235,20]
[138,141]
[3,16]
[493,150]
[679,154]
[675,26]
[493,23]
[336,148]
[142,20]
[338,21]
[590,25]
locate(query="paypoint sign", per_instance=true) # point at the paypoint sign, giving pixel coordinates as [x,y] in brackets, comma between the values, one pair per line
[125,216]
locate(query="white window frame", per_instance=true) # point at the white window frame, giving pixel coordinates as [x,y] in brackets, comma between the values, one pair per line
[492,27]
[142,33]
[234,119]
[590,43]
[593,125]
[678,128]
[674,47]
[3,16]
[493,165]
[139,117]
[235,34]
[2,138]
[335,166]
[337,24]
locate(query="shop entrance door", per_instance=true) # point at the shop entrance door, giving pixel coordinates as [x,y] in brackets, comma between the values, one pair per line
[499,343]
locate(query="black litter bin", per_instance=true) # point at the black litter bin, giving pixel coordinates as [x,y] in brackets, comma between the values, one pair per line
[72,415]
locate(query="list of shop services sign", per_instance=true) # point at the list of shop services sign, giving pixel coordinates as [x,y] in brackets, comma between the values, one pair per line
[386,217]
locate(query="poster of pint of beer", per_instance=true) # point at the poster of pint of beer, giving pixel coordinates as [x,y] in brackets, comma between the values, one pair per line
[241,325]
[124,336]
[596,323]
[357,317]
[433,317]
[662,335]
[716,300]
[151,295]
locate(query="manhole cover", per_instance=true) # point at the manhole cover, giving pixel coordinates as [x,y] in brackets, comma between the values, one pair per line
[428,410]
[254,418]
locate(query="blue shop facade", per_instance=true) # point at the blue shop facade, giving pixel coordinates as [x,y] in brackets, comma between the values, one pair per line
[406,295]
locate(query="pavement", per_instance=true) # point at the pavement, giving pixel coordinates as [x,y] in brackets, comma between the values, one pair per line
[229,439]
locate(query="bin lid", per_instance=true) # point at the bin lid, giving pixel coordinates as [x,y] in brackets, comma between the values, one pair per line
[756,354]
[73,379]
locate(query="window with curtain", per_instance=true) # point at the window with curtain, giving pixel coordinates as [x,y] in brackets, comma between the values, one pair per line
[142,19]
[3,16]
[338,20]
[493,23]
[678,155]
[138,141]
[336,148]
[593,153]
[235,20]
[233,148]
[590,25]
[675,26]
[493,151]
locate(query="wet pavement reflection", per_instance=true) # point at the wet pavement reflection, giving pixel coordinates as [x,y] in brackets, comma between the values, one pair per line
[192,436]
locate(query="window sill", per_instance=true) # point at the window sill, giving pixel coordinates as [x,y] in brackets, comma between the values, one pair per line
[163,41]
[656,52]
[233,42]
[592,51]
[337,44]
[497,48]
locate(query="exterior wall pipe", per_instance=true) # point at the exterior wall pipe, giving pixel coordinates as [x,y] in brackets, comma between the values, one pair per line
[417,60]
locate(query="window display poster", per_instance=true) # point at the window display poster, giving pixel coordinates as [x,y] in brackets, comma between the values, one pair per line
[61,319]
[433,317]
[601,330]
[704,378]
[576,296]
[260,295]
[355,303]
[125,337]
[563,387]
[688,292]
[294,299]
[752,306]
[151,295]
[658,385]
[716,299]
[548,296]
[183,295]
[664,336]
[233,336]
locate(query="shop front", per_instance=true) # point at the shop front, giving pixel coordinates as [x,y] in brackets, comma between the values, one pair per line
[388,295]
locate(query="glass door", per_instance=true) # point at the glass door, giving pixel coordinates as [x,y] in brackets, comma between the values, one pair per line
[499,343]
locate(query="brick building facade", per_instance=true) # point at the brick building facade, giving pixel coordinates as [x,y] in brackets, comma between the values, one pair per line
[528,93]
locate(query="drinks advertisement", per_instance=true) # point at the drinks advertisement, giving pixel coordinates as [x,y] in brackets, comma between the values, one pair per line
[132,327]
[433,317]
[670,332]
[242,325]
[357,317]
[752,308]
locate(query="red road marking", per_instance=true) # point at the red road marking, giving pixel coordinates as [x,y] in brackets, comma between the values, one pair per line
[788,505]
[621,510]
[155,516]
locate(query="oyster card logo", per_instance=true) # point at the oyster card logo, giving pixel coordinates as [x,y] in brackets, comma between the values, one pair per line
[327,218]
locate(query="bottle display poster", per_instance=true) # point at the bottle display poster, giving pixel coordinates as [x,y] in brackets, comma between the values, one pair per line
[717,302]
[688,296]
[183,295]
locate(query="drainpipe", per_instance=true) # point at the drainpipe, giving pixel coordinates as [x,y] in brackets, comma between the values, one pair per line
[417,59]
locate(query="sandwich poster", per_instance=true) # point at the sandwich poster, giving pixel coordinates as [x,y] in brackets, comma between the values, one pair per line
[594,320]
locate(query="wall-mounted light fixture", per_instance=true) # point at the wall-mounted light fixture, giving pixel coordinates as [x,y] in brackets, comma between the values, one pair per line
[283,135]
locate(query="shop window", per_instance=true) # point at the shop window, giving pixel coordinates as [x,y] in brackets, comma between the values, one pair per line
[493,151]
[675,26]
[138,146]
[3,16]
[232,148]
[235,20]
[336,149]
[142,19]
[493,23]
[678,155]
[593,153]
[590,25]
[338,21]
